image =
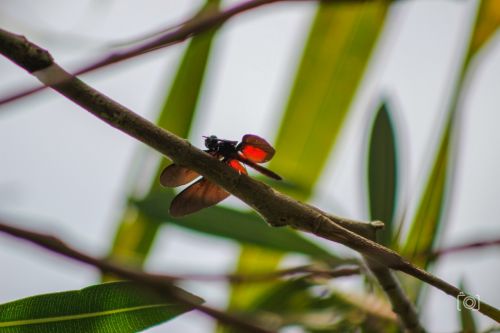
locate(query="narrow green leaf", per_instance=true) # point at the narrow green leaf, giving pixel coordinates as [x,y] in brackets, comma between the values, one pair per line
[467,322]
[424,228]
[244,227]
[427,221]
[179,106]
[252,260]
[133,239]
[333,64]
[111,307]
[136,233]
[334,59]
[383,173]
[488,20]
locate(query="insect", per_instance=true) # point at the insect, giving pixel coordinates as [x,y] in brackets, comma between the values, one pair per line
[203,193]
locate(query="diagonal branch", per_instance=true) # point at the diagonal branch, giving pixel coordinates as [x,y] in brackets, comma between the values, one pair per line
[160,283]
[276,208]
[401,304]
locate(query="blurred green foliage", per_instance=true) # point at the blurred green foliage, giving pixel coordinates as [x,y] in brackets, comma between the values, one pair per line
[333,66]
[428,222]
[136,232]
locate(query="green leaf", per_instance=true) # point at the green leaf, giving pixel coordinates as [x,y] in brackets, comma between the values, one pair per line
[252,260]
[307,303]
[111,307]
[333,64]
[383,173]
[179,108]
[488,20]
[136,233]
[244,227]
[428,218]
[424,229]
[291,295]
[426,224]
[468,324]
[133,239]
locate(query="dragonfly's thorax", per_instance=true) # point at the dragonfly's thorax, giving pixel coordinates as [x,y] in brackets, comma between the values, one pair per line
[225,148]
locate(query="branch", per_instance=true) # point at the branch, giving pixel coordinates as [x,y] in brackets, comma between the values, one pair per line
[401,304]
[196,25]
[160,283]
[306,271]
[276,208]
[171,36]
[464,247]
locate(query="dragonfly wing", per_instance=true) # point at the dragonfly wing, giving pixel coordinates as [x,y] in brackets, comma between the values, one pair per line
[201,194]
[237,166]
[175,175]
[256,149]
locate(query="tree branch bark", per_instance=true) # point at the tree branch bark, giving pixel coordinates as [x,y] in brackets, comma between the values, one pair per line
[401,304]
[276,208]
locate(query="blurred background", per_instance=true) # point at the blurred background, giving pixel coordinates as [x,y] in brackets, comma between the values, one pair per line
[377,110]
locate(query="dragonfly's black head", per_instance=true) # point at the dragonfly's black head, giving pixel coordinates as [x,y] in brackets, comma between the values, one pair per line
[222,147]
[211,142]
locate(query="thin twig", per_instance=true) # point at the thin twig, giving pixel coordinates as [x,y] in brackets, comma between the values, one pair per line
[161,283]
[177,34]
[239,8]
[464,247]
[306,271]
[276,208]
[401,304]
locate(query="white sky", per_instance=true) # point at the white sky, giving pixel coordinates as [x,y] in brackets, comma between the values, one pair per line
[65,172]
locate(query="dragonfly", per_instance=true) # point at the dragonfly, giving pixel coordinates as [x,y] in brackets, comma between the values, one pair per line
[251,151]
